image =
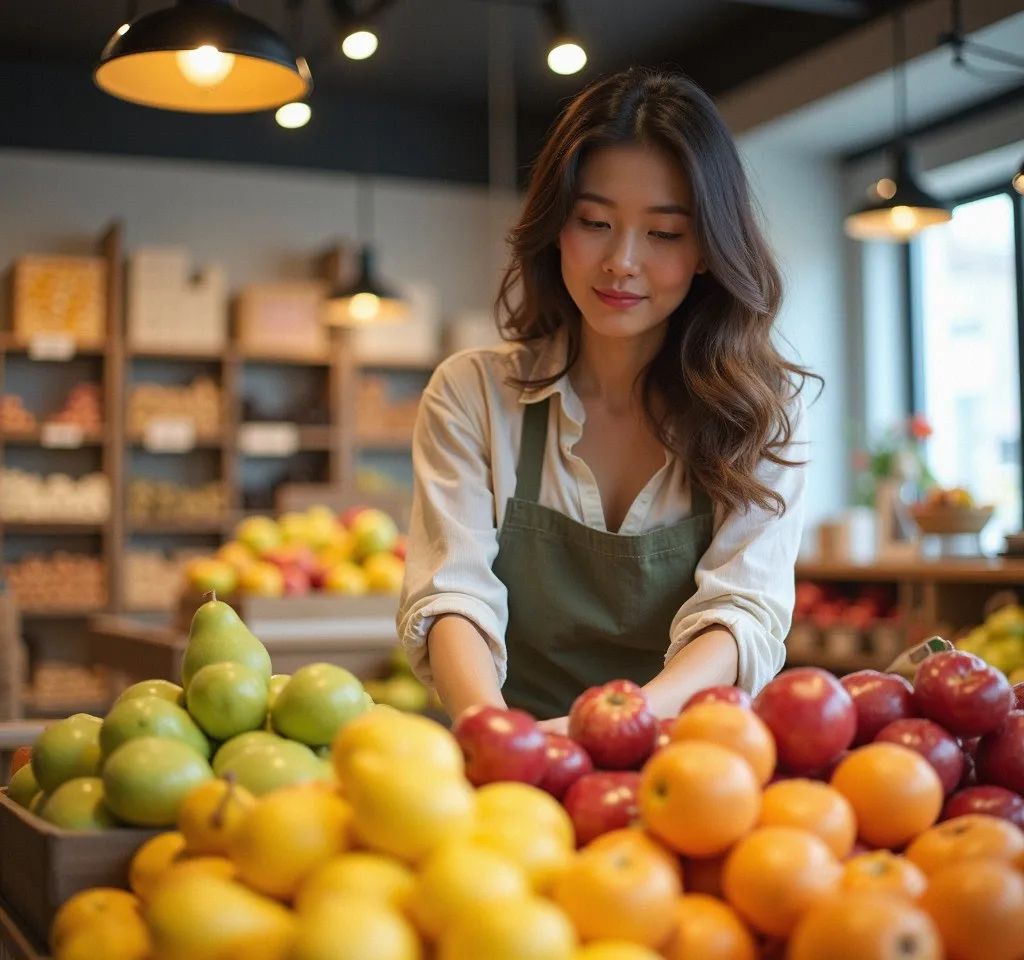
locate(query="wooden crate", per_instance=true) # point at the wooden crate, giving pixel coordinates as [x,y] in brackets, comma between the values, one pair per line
[42,865]
[12,666]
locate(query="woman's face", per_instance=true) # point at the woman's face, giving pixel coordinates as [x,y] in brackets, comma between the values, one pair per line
[628,249]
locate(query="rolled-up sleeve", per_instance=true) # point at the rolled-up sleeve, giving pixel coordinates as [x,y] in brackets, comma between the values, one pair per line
[452,530]
[745,580]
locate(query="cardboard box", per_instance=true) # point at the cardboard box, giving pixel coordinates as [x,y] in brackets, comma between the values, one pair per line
[42,865]
[282,319]
[60,296]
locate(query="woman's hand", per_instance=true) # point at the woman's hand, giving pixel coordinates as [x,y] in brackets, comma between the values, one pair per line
[555,725]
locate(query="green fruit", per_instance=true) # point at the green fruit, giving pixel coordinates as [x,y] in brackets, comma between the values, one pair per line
[263,766]
[67,749]
[217,635]
[368,700]
[317,702]
[36,803]
[150,717]
[227,699]
[405,693]
[277,683]
[163,689]
[238,744]
[23,786]
[146,779]
[399,662]
[78,805]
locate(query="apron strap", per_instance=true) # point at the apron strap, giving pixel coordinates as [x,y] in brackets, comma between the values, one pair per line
[531,450]
[700,502]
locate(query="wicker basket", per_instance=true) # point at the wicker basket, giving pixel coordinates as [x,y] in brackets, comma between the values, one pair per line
[950,520]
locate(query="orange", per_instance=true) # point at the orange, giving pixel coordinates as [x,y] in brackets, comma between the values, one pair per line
[699,798]
[882,871]
[732,727]
[895,793]
[707,929]
[978,907]
[615,950]
[812,806]
[703,875]
[776,874]
[89,907]
[865,926]
[974,836]
[621,887]
[112,937]
[530,927]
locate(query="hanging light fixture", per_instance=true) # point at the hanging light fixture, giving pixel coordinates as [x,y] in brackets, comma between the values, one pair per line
[898,208]
[357,38]
[366,300]
[1018,179]
[201,56]
[566,54]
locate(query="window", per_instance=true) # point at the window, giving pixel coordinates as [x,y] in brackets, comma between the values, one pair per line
[967,362]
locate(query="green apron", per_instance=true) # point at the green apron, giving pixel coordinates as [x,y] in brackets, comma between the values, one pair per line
[586,606]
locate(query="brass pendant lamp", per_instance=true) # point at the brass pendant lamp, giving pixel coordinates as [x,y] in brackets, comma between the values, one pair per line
[898,207]
[202,56]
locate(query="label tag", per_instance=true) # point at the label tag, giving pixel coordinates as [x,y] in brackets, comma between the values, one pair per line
[51,346]
[62,435]
[170,435]
[268,439]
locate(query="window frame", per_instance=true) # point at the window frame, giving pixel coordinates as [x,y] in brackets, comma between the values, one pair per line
[913,308]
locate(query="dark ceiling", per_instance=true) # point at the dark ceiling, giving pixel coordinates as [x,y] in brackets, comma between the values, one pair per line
[418,107]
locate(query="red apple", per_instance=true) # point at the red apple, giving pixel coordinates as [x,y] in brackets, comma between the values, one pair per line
[293,555]
[501,745]
[19,758]
[810,715]
[879,698]
[296,581]
[602,801]
[567,761]
[1018,692]
[349,515]
[1000,755]
[938,747]
[664,737]
[962,693]
[995,801]
[721,694]
[614,725]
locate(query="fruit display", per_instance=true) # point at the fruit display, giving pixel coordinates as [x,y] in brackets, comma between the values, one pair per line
[56,497]
[500,840]
[357,552]
[147,574]
[82,408]
[399,687]
[950,510]
[199,402]
[999,641]
[14,417]
[58,581]
[62,296]
[160,501]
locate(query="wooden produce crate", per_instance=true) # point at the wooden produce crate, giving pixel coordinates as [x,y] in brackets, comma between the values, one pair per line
[42,865]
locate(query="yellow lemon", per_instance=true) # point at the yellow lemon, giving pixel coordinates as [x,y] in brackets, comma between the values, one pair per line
[90,906]
[152,860]
[543,854]
[371,875]
[287,835]
[530,927]
[211,813]
[507,800]
[460,877]
[615,950]
[347,927]
[209,865]
[406,808]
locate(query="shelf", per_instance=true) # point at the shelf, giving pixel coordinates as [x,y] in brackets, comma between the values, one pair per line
[59,613]
[940,571]
[8,344]
[176,527]
[54,527]
[200,443]
[381,445]
[285,359]
[158,353]
[64,708]
[308,438]
[411,366]
[34,438]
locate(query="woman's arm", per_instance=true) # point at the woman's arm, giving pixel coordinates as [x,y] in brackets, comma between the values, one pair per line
[462,665]
[709,659]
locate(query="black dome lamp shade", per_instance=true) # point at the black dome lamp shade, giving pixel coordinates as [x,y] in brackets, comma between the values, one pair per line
[202,56]
[365,300]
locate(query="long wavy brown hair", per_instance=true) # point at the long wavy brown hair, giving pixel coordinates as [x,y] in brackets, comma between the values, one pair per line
[724,387]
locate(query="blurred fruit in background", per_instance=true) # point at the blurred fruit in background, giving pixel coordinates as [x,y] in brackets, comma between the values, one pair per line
[359,552]
[999,641]
[399,688]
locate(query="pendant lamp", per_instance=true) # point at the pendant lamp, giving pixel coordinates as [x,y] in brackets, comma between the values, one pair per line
[898,208]
[202,56]
[366,300]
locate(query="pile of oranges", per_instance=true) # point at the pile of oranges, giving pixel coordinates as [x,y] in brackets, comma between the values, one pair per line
[402,859]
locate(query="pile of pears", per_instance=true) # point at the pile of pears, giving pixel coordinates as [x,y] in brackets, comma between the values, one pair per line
[230,716]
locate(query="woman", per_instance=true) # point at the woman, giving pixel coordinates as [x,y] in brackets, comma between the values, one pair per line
[616,492]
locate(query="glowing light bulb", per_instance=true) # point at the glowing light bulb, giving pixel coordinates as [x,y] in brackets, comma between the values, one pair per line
[293,115]
[885,188]
[363,307]
[359,45]
[205,66]
[903,219]
[1018,182]
[567,58]
[123,29]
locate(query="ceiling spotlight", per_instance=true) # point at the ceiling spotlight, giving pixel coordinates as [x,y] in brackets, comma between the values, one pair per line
[565,55]
[201,56]
[359,44]
[293,115]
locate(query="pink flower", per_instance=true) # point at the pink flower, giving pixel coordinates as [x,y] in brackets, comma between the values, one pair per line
[920,428]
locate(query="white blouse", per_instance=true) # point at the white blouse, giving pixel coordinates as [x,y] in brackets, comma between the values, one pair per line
[465,451]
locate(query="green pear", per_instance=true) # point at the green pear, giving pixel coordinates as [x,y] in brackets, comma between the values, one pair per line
[217,635]
[227,699]
[236,745]
[78,805]
[154,688]
[23,786]
[150,717]
[317,702]
[66,749]
[266,765]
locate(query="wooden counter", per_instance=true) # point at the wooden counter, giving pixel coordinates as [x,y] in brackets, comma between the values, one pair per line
[982,570]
